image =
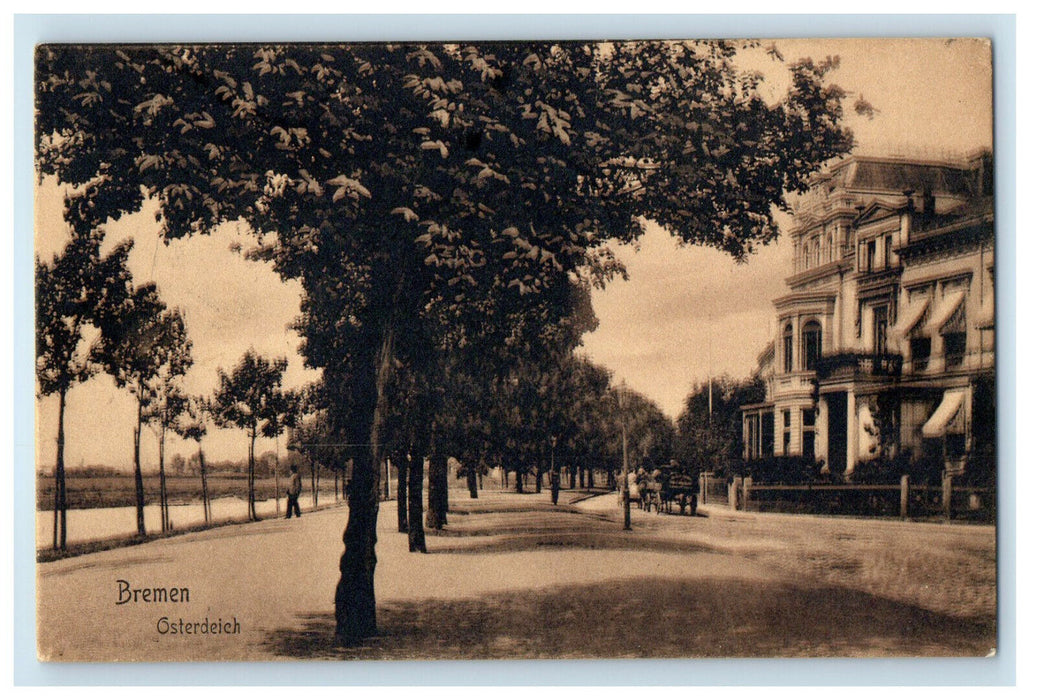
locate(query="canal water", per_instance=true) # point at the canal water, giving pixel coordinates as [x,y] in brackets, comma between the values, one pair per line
[90,524]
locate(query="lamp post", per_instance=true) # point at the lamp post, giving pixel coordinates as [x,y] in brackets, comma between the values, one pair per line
[626,464]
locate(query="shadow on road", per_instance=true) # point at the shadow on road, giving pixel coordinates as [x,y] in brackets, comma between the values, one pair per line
[567,539]
[652,617]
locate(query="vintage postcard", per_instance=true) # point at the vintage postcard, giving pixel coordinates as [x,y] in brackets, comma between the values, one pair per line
[515,350]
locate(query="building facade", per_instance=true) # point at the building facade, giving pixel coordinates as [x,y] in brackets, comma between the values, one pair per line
[884,343]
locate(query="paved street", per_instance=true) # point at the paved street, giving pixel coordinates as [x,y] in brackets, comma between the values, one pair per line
[512,576]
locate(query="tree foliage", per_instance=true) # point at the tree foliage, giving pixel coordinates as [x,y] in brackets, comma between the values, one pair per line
[251,398]
[146,350]
[712,440]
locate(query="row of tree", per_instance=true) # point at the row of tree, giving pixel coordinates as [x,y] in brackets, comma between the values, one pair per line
[444,207]
[91,317]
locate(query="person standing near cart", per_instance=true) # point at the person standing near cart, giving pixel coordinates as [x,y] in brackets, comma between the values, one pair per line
[294,489]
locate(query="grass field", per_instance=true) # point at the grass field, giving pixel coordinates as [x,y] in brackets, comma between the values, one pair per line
[119,491]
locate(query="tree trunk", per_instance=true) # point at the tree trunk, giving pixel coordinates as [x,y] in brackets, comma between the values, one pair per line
[206,507]
[277,476]
[355,608]
[583,478]
[435,518]
[518,479]
[60,500]
[163,503]
[472,478]
[590,476]
[401,494]
[540,476]
[138,478]
[316,489]
[313,482]
[416,527]
[252,475]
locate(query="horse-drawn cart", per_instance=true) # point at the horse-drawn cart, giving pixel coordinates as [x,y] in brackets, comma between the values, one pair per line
[680,489]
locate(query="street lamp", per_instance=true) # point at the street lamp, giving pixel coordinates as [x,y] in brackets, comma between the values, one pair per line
[626,463]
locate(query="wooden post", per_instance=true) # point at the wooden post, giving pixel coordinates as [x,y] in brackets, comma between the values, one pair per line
[747,485]
[905,483]
[948,490]
[702,487]
[732,492]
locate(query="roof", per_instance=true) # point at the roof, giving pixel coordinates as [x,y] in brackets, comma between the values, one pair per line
[919,177]
[895,174]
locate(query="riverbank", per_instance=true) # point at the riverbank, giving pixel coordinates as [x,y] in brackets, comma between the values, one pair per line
[101,529]
[83,492]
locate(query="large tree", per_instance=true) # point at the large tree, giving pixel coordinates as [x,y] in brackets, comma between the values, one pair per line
[72,291]
[401,183]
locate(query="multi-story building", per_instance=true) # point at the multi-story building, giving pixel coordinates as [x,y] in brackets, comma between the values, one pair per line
[885,339]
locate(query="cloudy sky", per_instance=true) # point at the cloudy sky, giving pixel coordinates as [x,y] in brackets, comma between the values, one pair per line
[684,312]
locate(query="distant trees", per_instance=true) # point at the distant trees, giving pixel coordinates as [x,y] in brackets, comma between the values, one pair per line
[250,398]
[166,398]
[72,292]
[146,351]
[709,440]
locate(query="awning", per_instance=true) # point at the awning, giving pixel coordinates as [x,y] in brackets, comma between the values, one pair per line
[944,310]
[944,414]
[911,316]
[867,433]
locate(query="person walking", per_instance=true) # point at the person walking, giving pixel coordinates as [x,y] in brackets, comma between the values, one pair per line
[294,489]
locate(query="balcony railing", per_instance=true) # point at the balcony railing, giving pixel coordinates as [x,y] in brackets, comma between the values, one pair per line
[852,364]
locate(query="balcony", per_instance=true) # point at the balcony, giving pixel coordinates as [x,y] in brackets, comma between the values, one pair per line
[858,365]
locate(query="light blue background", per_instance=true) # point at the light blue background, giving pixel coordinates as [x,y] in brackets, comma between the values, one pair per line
[32,29]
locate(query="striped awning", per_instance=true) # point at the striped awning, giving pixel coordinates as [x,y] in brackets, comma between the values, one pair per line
[944,310]
[944,414]
[911,316]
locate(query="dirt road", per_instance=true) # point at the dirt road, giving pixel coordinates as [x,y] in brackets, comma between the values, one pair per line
[512,576]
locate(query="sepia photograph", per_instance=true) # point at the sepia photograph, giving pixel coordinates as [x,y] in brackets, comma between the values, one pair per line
[610,349]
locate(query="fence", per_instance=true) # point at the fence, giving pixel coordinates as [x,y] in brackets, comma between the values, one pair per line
[903,500]
[712,489]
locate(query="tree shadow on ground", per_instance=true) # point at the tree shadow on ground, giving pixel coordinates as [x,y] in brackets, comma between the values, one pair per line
[654,617]
[564,539]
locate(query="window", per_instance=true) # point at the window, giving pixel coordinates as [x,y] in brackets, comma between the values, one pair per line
[767,434]
[786,347]
[954,349]
[751,434]
[888,251]
[921,348]
[786,440]
[808,432]
[880,325]
[811,345]
[869,257]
